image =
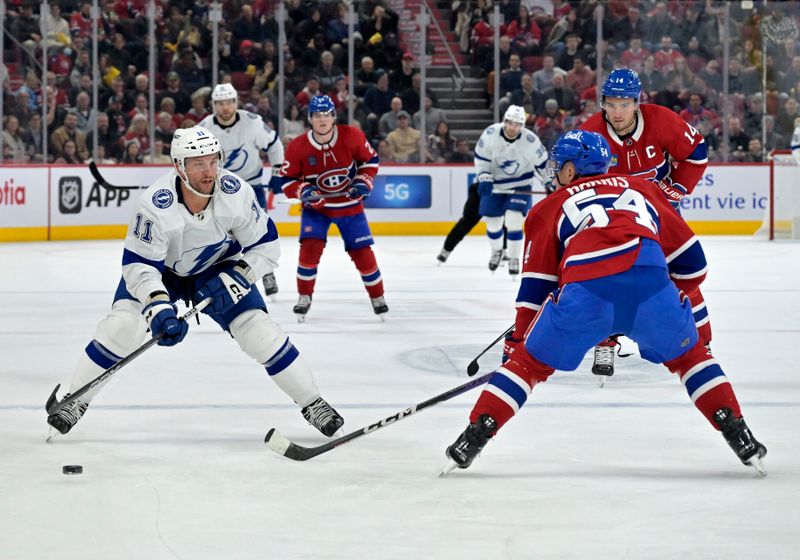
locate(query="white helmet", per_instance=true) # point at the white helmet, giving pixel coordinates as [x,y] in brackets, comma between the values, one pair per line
[194,142]
[223,92]
[515,114]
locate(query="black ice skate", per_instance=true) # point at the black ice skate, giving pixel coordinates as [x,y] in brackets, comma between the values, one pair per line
[323,417]
[270,284]
[741,440]
[513,267]
[603,365]
[470,443]
[494,260]
[442,256]
[379,307]
[302,307]
[67,417]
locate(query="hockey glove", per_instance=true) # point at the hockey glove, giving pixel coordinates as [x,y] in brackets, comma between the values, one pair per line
[310,191]
[510,346]
[361,188]
[161,315]
[675,192]
[485,184]
[275,184]
[227,288]
[293,189]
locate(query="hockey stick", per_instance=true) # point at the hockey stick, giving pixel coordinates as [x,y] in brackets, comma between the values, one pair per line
[311,198]
[54,405]
[105,184]
[472,368]
[519,192]
[282,446]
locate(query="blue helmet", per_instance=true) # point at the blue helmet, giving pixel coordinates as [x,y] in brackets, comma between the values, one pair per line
[623,83]
[321,104]
[588,151]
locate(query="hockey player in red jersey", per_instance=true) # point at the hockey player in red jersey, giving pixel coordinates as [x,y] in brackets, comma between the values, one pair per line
[654,143]
[605,253]
[327,161]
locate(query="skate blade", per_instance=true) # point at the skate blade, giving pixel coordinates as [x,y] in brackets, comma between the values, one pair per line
[382,317]
[758,464]
[601,381]
[300,318]
[52,433]
[448,468]
[273,298]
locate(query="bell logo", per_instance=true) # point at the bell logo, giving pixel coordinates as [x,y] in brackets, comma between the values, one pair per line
[11,195]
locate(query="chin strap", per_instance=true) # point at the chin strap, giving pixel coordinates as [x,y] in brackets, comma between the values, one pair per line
[188,185]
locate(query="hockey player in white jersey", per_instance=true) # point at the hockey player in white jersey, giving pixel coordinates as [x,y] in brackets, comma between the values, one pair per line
[244,136]
[197,233]
[509,161]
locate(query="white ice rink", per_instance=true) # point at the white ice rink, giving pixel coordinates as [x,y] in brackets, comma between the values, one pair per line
[175,466]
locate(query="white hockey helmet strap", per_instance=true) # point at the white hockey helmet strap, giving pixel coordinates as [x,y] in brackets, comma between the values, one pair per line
[194,142]
[515,114]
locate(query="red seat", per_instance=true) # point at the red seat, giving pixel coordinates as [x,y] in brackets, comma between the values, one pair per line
[241,81]
[532,63]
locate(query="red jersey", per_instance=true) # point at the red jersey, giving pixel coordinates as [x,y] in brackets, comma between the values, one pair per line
[662,148]
[330,167]
[593,228]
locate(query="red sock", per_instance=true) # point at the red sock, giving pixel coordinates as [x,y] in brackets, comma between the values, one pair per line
[310,254]
[367,266]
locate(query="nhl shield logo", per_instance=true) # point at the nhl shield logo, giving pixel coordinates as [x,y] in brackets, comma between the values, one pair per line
[70,195]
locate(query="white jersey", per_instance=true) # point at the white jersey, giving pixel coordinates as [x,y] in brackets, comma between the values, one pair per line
[512,164]
[242,143]
[795,146]
[164,236]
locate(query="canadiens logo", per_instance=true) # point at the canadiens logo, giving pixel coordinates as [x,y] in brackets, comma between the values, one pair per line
[229,184]
[334,180]
[163,198]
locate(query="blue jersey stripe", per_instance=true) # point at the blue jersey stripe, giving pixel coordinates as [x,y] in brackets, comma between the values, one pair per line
[129,257]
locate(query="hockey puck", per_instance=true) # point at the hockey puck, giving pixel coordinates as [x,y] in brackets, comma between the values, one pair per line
[72,469]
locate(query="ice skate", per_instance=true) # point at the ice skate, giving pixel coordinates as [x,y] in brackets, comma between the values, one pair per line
[494,260]
[270,286]
[470,443]
[603,365]
[741,440]
[62,421]
[302,307]
[323,417]
[442,256]
[379,307]
[513,268]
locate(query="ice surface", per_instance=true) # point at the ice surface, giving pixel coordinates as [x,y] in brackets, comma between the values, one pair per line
[175,465]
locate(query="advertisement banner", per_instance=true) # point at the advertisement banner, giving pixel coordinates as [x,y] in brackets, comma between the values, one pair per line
[23,203]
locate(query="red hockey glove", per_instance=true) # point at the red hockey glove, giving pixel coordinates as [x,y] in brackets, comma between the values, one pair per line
[293,189]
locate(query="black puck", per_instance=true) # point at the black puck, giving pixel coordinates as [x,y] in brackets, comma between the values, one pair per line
[72,469]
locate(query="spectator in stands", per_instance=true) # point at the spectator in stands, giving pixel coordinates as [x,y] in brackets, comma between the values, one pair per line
[85,113]
[659,24]
[307,29]
[462,153]
[711,138]
[365,76]
[711,75]
[15,149]
[441,144]
[666,55]
[566,25]
[265,76]
[336,31]
[106,136]
[777,28]
[486,55]
[293,125]
[634,56]
[378,98]
[562,94]
[32,87]
[165,129]
[246,28]
[22,108]
[308,93]
[168,106]
[670,95]
[328,72]
[739,140]
[140,107]
[100,157]
[587,109]
[176,92]
[550,125]
[741,82]
[696,54]
[247,58]
[580,77]
[295,78]
[511,77]
[190,72]
[400,80]
[58,34]
[340,97]
[754,151]
[526,97]
[696,112]
[754,114]
[433,116]
[388,121]
[411,96]
[80,22]
[775,140]
[685,78]
[791,76]
[543,79]
[159,156]
[199,109]
[571,49]
[69,154]
[525,34]
[385,152]
[404,140]
[25,29]
[137,131]
[34,137]
[82,67]
[383,21]
[132,154]
[68,131]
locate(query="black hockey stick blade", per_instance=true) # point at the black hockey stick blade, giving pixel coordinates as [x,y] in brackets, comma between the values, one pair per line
[53,405]
[105,184]
[281,445]
[473,366]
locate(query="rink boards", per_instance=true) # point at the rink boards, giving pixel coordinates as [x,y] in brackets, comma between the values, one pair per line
[42,202]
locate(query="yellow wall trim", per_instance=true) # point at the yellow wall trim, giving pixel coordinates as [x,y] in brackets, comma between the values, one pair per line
[65,233]
[725,228]
[23,234]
